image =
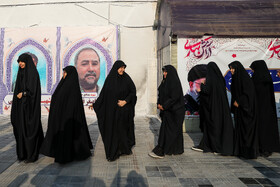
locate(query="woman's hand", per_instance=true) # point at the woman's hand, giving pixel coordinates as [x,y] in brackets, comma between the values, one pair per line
[235,104]
[19,95]
[160,107]
[121,103]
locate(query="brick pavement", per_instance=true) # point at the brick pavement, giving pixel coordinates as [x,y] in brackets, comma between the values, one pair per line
[190,169]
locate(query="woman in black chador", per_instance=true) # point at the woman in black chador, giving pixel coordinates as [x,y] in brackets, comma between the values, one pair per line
[26,110]
[67,137]
[115,112]
[215,116]
[268,126]
[172,113]
[244,108]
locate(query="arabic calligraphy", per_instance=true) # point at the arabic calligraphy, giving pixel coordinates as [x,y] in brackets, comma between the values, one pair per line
[201,49]
[46,102]
[47,108]
[274,46]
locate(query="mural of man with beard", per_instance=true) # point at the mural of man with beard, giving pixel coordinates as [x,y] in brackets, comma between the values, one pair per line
[87,63]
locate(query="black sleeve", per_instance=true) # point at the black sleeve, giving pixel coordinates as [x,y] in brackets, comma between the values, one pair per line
[132,92]
[204,89]
[173,98]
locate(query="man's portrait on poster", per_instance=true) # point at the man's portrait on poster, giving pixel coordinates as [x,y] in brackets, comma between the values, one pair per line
[91,67]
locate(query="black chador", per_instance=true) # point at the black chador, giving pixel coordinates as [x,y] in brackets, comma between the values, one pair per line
[172,113]
[215,116]
[26,110]
[268,126]
[244,108]
[67,137]
[115,122]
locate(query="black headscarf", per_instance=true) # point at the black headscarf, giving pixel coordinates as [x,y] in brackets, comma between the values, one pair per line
[170,90]
[26,112]
[116,124]
[215,113]
[246,124]
[170,96]
[268,125]
[242,88]
[261,72]
[67,137]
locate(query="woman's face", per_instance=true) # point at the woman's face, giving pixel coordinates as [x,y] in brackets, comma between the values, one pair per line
[121,70]
[232,70]
[64,74]
[164,74]
[21,64]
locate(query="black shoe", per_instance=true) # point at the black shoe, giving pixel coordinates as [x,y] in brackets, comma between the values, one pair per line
[20,159]
[30,160]
[197,148]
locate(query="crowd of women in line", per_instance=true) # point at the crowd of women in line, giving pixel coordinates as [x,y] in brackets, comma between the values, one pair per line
[255,129]
[67,138]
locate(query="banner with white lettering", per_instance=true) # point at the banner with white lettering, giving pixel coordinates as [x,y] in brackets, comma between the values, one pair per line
[195,53]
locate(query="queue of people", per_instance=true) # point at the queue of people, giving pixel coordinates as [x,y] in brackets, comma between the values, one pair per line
[254,131]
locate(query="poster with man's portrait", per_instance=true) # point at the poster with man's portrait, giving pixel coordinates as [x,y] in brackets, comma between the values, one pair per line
[92,50]
[93,55]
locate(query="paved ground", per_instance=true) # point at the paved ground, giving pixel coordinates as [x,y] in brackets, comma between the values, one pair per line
[190,169]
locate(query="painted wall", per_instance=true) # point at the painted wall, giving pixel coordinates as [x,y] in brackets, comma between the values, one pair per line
[137,40]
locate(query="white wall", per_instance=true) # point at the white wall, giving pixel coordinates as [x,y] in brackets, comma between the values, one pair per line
[135,20]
